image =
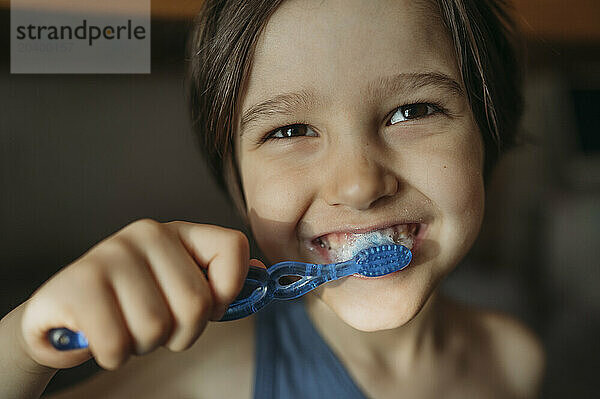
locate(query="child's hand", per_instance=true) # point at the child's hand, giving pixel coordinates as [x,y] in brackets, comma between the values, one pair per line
[136,290]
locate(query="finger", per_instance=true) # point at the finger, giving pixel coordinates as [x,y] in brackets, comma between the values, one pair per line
[143,304]
[180,280]
[98,315]
[224,252]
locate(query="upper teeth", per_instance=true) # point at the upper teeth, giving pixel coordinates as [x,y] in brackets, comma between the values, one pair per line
[343,246]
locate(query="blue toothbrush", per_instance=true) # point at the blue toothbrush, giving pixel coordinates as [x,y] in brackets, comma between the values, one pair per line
[264,285]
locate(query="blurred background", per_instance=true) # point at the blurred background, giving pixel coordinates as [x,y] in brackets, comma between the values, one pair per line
[81,156]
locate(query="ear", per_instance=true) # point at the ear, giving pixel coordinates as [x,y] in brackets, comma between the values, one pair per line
[233,182]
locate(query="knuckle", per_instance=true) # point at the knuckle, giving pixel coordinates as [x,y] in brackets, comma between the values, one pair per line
[111,251]
[174,223]
[144,222]
[241,241]
[147,228]
[237,242]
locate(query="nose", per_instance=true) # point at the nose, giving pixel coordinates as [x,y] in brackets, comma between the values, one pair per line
[359,181]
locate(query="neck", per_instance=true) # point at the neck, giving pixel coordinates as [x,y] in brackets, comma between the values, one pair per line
[397,349]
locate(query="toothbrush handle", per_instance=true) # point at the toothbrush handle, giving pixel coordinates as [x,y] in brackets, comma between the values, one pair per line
[309,276]
[257,292]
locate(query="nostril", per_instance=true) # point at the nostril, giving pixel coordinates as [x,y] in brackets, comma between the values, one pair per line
[391,185]
[358,183]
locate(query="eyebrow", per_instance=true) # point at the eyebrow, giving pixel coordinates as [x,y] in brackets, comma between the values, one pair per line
[289,103]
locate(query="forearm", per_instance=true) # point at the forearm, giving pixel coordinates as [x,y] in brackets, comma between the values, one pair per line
[20,376]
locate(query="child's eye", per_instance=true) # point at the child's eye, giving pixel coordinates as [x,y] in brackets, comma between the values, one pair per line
[403,113]
[413,111]
[295,130]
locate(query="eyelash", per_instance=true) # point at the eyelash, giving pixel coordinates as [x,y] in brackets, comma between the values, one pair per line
[435,108]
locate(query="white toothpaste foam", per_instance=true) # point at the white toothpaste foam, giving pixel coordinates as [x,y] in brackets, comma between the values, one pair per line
[363,241]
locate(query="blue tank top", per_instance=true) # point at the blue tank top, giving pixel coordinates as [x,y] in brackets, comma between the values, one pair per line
[293,360]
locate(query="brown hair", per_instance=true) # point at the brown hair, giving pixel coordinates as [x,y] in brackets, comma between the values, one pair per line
[221,48]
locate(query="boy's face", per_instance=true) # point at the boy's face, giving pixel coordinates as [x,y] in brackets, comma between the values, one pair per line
[356,160]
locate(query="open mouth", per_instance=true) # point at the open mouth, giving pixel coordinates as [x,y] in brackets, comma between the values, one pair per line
[339,247]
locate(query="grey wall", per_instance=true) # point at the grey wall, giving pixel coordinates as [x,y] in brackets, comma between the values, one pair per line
[82,156]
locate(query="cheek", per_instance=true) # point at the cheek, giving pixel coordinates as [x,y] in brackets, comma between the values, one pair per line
[276,199]
[454,183]
[458,176]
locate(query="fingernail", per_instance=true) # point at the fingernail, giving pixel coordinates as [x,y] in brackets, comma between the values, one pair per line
[257,263]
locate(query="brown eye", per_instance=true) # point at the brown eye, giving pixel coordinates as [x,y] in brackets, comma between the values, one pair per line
[412,111]
[289,131]
[296,130]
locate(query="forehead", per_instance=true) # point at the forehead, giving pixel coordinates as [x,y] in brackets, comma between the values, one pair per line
[333,47]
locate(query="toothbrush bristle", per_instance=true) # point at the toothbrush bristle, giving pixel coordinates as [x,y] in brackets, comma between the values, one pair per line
[382,260]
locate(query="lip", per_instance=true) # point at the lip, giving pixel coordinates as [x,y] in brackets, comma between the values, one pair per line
[360,276]
[423,228]
[421,232]
[353,229]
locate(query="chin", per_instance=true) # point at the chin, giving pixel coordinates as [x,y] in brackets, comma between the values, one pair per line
[378,304]
[369,320]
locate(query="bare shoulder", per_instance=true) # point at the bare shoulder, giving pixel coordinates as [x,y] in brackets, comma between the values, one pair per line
[519,351]
[224,353]
[503,350]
